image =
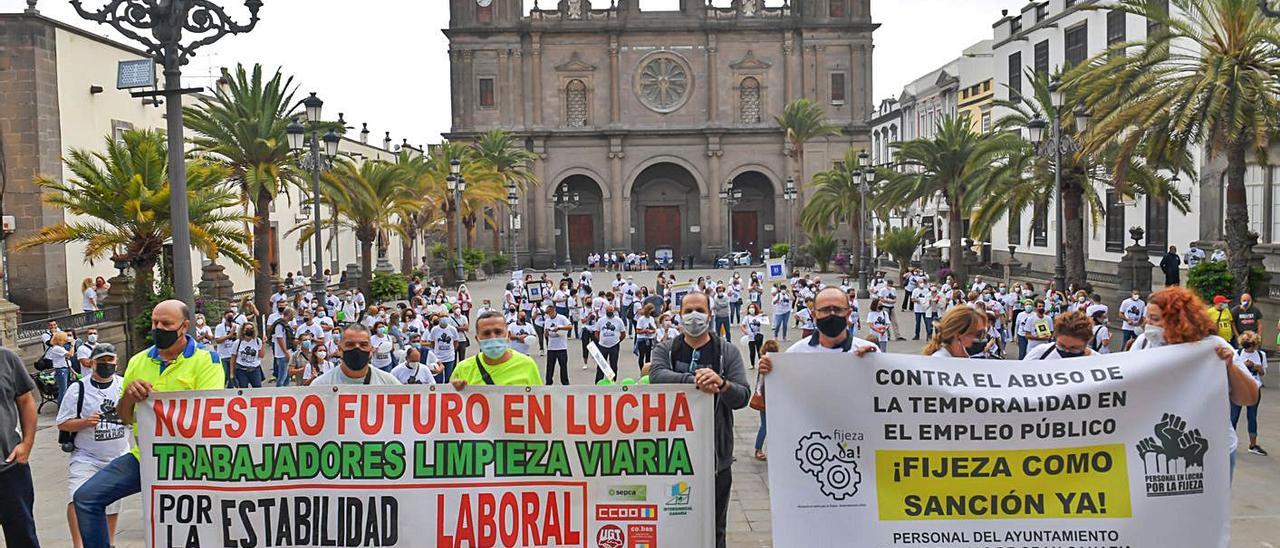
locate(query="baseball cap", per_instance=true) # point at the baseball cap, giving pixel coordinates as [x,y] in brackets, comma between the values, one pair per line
[1219,299]
[102,350]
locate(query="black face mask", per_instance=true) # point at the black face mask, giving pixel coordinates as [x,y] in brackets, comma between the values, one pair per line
[833,325]
[355,359]
[977,347]
[164,338]
[104,370]
[1066,354]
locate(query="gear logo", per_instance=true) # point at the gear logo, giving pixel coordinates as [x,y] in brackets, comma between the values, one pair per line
[831,464]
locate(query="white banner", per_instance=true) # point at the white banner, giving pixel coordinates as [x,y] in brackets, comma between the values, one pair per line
[891,450]
[427,466]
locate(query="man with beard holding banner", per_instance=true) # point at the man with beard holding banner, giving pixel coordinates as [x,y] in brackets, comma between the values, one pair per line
[715,366]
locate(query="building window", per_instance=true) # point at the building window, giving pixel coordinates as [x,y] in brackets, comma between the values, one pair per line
[1042,11]
[1115,223]
[1157,224]
[837,88]
[1015,227]
[836,8]
[1158,6]
[1070,4]
[1015,25]
[1040,225]
[1015,76]
[1116,26]
[1077,44]
[1042,57]
[118,127]
[1255,197]
[576,103]
[986,122]
[486,93]
[749,101]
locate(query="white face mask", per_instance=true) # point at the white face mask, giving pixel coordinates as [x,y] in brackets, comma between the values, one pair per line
[1155,335]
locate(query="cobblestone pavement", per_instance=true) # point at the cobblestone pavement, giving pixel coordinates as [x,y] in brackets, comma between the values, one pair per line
[1255,496]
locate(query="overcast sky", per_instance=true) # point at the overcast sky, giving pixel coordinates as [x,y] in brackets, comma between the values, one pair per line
[385,62]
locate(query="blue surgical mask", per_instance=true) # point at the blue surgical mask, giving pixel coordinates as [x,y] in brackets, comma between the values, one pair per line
[494,348]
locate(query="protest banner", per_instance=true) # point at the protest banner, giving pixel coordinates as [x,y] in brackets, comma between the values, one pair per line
[429,466]
[892,450]
[776,270]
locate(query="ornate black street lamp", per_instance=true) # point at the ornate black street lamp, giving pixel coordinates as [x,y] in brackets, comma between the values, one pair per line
[566,201]
[159,25]
[315,163]
[513,201]
[457,185]
[731,197]
[1053,148]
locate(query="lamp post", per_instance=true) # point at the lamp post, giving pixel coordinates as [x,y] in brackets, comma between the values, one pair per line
[513,200]
[457,185]
[1053,148]
[864,176]
[789,196]
[566,201]
[315,163]
[731,197]
[166,21]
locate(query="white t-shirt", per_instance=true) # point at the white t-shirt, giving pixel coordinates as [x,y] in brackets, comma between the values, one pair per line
[806,319]
[1101,333]
[803,346]
[57,355]
[1133,310]
[878,323]
[414,373]
[82,353]
[888,296]
[521,331]
[1028,323]
[556,340]
[246,353]
[90,300]
[754,325]
[645,322]
[442,339]
[228,347]
[110,438]
[1044,351]
[609,331]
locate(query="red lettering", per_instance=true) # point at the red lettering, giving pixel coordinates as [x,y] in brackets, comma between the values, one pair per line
[655,412]
[285,407]
[397,403]
[450,413]
[529,520]
[540,413]
[371,425]
[680,416]
[551,526]
[442,539]
[235,418]
[488,530]
[465,528]
[572,537]
[424,421]
[312,415]
[188,422]
[164,417]
[511,410]
[571,424]
[260,406]
[477,403]
[599,417]
[211,416]
[345,412]
[627,424]
[508,512]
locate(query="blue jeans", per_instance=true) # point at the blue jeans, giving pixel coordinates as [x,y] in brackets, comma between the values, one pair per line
[735,311]
[118,480]
[1125,336]
[281,368]
[445,375]
[17,503]
[247,377]
[1251,420]
[760,434]
[62,376]
[780,321]
[1022,347]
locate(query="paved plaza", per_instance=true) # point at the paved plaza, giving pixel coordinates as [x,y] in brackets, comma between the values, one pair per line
[1255,497]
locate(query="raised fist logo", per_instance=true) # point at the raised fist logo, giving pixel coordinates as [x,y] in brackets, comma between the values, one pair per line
[823,458]
[1172,444]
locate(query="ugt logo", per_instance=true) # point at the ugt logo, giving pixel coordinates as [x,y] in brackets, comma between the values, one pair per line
[832,463]
[1173,459]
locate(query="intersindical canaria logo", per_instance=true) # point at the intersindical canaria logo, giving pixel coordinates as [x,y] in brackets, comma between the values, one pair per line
[832,462]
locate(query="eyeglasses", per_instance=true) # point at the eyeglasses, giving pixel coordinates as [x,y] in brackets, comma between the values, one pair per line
[833,310]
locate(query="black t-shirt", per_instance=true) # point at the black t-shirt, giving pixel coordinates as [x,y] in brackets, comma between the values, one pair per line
[683,356]
[1247,320]
[14,382]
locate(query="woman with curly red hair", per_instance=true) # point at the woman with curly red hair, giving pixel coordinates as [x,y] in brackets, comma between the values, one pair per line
[1176,315]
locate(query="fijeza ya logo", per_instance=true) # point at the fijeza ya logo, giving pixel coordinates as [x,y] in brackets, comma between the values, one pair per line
[831,463]
[1173,459]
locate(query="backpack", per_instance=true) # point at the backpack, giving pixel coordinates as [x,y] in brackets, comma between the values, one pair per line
[288,331]
[68,439]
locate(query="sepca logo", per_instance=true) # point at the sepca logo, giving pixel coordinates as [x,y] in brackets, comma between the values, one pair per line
[629,493]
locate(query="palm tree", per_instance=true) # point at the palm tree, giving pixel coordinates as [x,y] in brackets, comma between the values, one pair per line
[1027,180]
[950,163]
[120,202]
[414,169]
[802,121]
[370,200]
[1209,77]
[901,244]
[837,199]
[242,127]
[510,161]
[822,247]
[484,187]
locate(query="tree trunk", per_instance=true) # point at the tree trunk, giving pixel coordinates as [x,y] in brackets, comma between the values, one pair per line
[366,269]
[1073,240]
[143,289]
[451,237]
[1237,219]
[497,229]
[856,262]
[262,250]
[406,254]
[955,228]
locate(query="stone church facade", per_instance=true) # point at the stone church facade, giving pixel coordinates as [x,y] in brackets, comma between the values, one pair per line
[646,116]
